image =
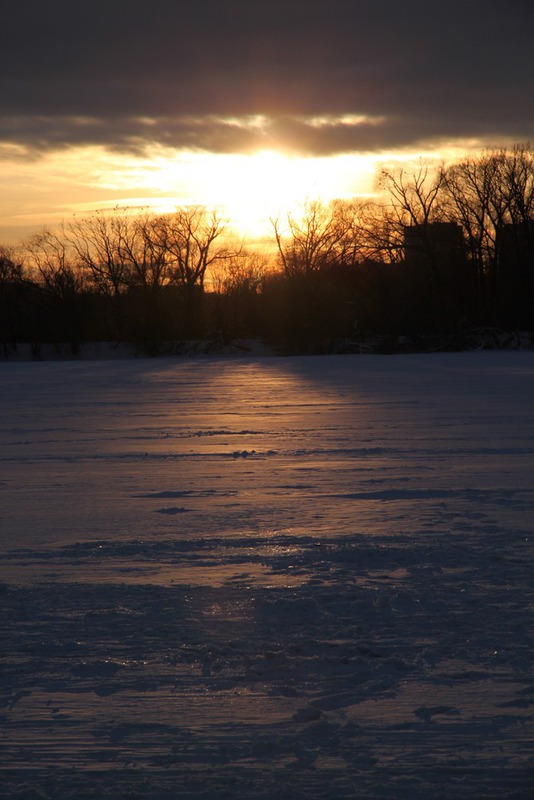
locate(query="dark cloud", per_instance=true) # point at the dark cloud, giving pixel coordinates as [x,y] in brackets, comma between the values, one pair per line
[325,77]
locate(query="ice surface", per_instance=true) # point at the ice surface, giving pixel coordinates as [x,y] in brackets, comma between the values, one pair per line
[272,578]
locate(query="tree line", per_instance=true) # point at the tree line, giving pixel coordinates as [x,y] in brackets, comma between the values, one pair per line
[442,251]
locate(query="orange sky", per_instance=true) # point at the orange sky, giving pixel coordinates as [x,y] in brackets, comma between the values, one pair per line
[249,189]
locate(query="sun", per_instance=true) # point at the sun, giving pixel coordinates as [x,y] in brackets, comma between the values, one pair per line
[255,188]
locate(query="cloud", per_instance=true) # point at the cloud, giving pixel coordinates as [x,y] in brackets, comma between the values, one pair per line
[315,78]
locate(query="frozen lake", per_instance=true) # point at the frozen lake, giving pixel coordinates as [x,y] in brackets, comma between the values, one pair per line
[301,578]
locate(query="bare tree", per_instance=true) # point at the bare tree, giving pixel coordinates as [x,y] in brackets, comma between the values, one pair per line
[242,273]
[492,197]
[320,237]
[518,180]
[415,202]
[476,200]
[187,237]
[415,197]
[374,233]
[143,254]
[14,284]
[11,270]
[97,242]
[100,246]
[238,283]
[436,275]
[53,258]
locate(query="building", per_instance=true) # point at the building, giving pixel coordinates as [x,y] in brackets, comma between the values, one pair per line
[435,244]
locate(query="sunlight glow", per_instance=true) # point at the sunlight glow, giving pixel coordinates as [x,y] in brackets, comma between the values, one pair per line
[251,189]
[248,189]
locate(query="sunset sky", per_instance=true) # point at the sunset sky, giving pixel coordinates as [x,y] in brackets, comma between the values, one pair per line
[250,106]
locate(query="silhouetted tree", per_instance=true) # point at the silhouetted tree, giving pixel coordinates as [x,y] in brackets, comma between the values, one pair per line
[378,233]
[188,238]
[14,288]
[492,197]
[97,243]
[238,284]
[416,201]
[437,288]
[11,270]
[53,259]
[442,246]
[147,272]
[320,237]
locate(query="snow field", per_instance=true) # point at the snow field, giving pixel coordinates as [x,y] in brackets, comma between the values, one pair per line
[297,578]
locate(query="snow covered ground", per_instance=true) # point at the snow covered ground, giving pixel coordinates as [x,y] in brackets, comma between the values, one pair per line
[270,578]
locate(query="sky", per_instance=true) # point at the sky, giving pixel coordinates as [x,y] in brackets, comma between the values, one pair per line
[115,103]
